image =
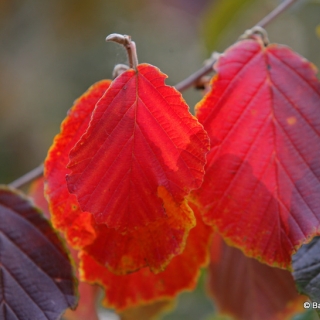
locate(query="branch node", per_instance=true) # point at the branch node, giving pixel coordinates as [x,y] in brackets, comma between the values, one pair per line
[213,59]
[119,69]
[254,32]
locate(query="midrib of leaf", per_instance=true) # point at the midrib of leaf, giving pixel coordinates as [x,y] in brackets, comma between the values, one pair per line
[160,126]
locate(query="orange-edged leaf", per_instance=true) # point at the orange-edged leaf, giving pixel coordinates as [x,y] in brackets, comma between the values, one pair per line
[86,308]
[262,182]
[36,277]
[247,289]
[149,311]
[143,286]
[64,207]
[153,245]
[141,137]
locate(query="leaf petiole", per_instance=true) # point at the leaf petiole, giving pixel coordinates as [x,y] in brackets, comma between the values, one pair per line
[128,44]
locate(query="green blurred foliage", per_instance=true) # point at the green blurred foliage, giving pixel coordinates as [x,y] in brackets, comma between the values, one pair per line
[193,305]
[219,317]
[219,17]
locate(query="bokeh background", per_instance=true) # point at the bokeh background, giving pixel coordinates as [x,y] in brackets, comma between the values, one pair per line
[51,51]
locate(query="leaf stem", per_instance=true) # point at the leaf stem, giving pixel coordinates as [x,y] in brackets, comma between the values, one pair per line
[28,177]
[130,46]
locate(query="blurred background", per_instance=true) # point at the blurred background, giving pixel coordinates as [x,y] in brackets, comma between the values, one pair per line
[51,51]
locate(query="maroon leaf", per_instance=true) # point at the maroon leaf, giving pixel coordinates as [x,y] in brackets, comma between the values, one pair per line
[249,290]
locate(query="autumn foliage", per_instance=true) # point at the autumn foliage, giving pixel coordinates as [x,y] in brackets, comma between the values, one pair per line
[146,194]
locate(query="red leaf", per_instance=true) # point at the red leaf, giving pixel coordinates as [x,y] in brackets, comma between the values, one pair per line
[143,286]
[262,188]
[66,214]
[153,245]
[36,276]
[249,290]
[141,137]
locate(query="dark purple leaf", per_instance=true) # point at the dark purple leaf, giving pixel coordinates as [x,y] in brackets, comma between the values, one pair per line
[36,277]
[306,270]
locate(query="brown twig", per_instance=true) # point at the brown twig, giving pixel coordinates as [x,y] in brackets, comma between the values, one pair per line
[274,13]
[192,79]
[28,177]
[181,86]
